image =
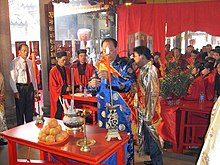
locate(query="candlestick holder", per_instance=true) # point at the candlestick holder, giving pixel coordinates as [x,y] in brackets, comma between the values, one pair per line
[39,119]
[85,143]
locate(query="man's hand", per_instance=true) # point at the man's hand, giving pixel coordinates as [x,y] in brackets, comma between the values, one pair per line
[94,83]
[17,95]
[103,74]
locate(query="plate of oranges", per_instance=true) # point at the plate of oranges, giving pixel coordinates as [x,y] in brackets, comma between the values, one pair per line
[52,133]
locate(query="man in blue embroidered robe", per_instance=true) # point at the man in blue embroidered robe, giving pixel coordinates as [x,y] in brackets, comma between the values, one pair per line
[122,77]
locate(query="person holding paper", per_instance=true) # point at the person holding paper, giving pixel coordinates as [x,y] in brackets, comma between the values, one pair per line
[59,84]
[121,78]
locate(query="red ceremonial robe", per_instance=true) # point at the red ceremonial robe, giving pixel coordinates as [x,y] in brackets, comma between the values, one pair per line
[195,88]
[55,86]
[209,82]
[82,79]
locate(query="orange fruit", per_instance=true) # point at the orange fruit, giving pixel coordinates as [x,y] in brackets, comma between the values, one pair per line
[46,130]
[50,138]
[59,127]
[59,137]
[42,136]
[41,133]
[46,126]
[54,131]
[64,133]
[52,122]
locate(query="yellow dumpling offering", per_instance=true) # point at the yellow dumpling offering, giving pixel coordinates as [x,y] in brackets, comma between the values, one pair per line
[52,132]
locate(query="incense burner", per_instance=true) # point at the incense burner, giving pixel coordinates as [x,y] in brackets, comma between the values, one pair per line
[73,122]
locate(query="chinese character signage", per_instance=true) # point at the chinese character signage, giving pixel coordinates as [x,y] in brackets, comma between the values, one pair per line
[51,32]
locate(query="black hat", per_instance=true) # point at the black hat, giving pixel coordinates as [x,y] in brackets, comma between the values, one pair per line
[81,51]
[210,59]
[61,54]
[209,65]
[217,51]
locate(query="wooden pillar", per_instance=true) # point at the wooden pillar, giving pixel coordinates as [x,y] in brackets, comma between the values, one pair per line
[6,57]
[44,48]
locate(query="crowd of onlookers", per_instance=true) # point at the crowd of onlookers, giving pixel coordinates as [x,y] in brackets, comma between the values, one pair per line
[203,65]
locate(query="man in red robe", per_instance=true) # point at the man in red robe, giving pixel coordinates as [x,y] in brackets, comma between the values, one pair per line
[59,84]
[82,71]
[197,86]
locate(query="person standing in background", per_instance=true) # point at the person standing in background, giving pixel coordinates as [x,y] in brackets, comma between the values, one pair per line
[59,84]
[82,71]
[23,84]
[3,125]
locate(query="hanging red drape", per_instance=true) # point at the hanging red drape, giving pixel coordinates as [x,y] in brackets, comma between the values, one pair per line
[138,18]
[180,17]
[197,16]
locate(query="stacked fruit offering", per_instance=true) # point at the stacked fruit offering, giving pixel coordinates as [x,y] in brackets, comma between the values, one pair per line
[52,132]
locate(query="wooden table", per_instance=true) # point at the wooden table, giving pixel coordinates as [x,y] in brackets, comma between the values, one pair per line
[188,126]
[27,135]
[81,97]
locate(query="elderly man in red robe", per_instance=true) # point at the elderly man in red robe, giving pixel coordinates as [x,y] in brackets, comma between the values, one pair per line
[59,84]
[82,71]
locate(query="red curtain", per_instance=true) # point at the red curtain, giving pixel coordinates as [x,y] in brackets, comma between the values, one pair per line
[197,16]
[140,18]
[152,18]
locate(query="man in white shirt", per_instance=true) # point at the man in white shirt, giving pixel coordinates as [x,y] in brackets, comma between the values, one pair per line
[23,85]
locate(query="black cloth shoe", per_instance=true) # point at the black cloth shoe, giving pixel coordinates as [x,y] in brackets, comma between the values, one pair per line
[167,145]
[148,163]
[3,142]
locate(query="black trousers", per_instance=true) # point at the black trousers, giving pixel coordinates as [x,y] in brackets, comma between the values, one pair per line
[59,111]
[25,103]
[153,149]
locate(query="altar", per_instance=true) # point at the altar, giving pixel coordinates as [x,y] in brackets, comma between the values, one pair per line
[27,135]
[184,124]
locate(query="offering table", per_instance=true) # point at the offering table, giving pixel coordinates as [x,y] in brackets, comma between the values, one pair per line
[27,135]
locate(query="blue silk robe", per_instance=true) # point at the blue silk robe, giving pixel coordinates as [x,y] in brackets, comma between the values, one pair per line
[121,86]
